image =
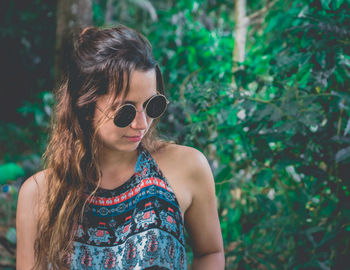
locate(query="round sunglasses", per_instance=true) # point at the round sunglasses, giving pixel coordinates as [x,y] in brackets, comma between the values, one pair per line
[125,114]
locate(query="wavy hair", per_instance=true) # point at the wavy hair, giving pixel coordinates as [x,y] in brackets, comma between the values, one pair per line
[102,62]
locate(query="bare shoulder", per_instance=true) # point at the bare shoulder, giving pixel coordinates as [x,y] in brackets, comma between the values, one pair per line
[35,185]
[193,163]
[201,217]
[28,211]
[189,159]
[191,176]
[185,168]
[33,190]
[31,199]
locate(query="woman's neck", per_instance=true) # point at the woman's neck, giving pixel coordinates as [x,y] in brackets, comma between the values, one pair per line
[112,162]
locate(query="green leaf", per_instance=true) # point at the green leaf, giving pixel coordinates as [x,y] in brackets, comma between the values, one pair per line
[342,154]
[263,177]
[11,235]
[212,111]
[232,118]
[234,215]
[266,111]
[224,174]
[325,3]
[337,3]
[10,171]
[347,129]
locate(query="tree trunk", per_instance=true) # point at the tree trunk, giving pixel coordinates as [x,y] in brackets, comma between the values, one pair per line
[109,12]
[240,35]
[72,17]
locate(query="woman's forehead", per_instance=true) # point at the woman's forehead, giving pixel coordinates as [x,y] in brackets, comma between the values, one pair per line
[130,98]
[142,85]
[143,79]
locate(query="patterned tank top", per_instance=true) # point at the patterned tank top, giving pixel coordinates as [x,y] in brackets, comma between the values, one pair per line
[137,225]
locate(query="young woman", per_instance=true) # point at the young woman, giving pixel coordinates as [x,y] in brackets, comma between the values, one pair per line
[113,195]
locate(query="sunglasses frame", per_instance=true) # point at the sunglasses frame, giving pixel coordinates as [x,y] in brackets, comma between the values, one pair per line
[129,104]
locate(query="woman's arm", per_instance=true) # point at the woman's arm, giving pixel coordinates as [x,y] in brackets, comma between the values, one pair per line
[26,221]
[201,218]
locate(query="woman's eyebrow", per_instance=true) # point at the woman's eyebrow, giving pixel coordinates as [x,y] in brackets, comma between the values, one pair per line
[131,102]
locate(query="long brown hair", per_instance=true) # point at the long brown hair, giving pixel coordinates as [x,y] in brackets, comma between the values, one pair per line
[102,62]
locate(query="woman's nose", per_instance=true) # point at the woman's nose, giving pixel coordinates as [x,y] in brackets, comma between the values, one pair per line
[140,121]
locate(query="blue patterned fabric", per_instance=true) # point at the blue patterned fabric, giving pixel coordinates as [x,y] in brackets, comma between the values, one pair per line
[137,225]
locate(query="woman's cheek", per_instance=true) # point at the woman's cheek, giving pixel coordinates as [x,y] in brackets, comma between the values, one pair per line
[149,125]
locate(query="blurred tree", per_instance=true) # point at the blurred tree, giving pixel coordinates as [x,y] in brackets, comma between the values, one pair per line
[72,17]
[26,51]
[240,34]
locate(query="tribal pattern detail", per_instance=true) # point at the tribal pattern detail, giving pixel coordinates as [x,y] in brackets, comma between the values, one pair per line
[135,226]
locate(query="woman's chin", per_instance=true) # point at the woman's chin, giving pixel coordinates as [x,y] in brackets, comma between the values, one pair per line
[128,147]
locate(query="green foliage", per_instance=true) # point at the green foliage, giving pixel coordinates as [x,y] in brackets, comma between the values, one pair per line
[280,144]
[10,171]
[11,235]
[277,140]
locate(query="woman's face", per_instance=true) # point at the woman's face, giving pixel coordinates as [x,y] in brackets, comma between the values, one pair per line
[142,86]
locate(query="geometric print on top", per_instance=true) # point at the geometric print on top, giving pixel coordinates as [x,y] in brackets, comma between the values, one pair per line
[137,225]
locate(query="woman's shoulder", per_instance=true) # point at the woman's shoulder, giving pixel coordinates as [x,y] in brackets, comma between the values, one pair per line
[185,157]
[172,149]
[35,186]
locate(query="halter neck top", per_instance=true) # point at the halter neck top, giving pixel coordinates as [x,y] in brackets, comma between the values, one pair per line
[137,225]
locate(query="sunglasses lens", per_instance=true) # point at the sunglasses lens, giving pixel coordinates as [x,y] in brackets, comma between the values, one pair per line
[156,106]
[125,116]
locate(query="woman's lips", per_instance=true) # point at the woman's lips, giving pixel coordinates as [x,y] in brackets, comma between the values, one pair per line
[134,138]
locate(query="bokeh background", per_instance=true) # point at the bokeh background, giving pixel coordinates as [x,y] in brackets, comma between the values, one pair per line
[261,87]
